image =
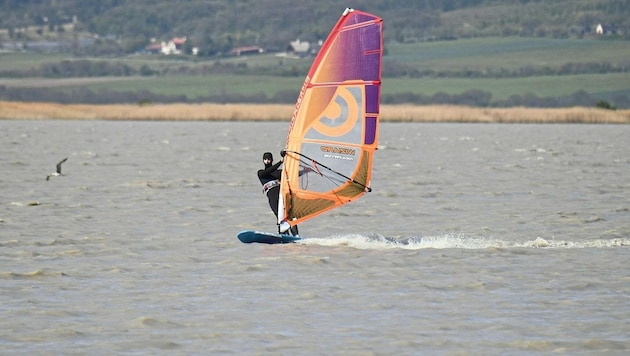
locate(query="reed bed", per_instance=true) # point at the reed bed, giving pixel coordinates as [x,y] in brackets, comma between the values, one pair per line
[278,112]
[439,113]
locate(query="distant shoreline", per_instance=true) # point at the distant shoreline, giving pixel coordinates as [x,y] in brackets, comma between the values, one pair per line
[279,112]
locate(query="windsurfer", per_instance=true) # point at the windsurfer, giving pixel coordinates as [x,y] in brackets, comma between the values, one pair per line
[270,179]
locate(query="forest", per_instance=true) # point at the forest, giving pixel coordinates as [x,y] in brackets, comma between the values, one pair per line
[217,26]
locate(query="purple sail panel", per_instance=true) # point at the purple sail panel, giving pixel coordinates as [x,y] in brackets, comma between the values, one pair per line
[372,96]
[370,130]
[354,55]
[370,38]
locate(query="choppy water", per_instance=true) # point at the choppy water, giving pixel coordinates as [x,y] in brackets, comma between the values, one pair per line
[477,239]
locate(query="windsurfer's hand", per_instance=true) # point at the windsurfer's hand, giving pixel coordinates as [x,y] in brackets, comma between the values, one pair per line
[283,152]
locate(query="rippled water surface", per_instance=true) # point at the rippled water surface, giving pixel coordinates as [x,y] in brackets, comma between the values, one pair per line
[480,239]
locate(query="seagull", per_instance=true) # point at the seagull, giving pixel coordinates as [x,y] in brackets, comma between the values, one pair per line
[58,172]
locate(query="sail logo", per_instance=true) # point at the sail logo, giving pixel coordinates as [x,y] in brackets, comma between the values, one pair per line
[338,150]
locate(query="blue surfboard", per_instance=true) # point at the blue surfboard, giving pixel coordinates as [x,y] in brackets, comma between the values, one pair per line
[250,236]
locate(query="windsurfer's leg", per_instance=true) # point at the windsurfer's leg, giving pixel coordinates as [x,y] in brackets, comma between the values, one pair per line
[294,230]
[272,195]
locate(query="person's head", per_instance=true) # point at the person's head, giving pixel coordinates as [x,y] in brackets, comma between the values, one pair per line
[267,159]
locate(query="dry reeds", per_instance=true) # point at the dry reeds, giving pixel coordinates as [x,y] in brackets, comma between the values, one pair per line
[277,112]
[437,113]
[175,112]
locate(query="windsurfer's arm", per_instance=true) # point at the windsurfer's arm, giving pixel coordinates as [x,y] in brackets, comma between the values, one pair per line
[302,171]
[269,170]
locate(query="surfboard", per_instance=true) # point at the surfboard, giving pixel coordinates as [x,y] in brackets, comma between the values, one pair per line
[251,236]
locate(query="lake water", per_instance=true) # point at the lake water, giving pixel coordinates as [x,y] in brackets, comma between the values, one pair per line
[476,239]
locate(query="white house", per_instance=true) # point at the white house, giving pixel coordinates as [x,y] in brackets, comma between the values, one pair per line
[174,46]
[299,48]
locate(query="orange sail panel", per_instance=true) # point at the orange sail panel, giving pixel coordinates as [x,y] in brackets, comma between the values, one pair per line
[334,127]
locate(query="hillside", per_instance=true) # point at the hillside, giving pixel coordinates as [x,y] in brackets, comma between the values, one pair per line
[216,26]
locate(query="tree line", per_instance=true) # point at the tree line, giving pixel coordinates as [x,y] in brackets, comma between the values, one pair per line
[475,97]
[392,69]
[396,69]
[482,98]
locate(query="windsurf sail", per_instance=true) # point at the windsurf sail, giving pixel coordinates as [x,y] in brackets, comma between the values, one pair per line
[334,127]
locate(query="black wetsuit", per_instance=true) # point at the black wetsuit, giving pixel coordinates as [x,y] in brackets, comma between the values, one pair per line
[270,174]
[270,179]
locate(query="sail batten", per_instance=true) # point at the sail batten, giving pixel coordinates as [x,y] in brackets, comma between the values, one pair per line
[336,84]
[334,127]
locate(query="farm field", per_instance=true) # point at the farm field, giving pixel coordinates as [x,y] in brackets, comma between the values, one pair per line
[179,76]
[507,52]
[195,87]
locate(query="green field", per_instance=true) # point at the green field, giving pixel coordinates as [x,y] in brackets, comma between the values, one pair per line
[508,53]
[604,85]
[473,54]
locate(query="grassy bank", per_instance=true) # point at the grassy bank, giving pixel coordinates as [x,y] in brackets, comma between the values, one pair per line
[273,112]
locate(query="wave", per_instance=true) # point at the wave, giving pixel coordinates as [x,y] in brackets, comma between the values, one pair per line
[31,274]
[456,241]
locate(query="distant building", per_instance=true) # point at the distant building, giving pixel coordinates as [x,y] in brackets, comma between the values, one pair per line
[247,50]
[299,48]
[153,48]
[604,30]
[174,46]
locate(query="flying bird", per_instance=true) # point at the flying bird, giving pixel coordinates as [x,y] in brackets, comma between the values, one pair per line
[58,172]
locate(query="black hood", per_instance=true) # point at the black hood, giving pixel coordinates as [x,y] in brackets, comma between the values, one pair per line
[269,156]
